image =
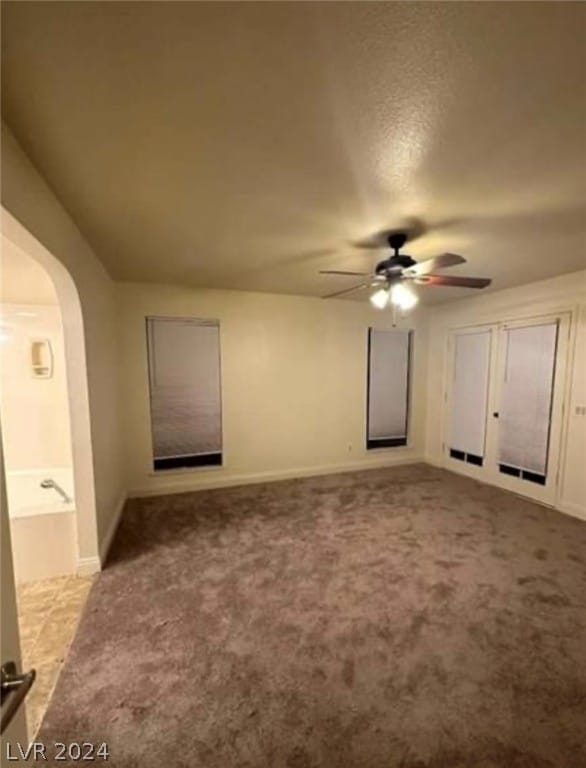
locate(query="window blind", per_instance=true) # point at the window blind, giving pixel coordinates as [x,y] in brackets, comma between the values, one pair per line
[184,377]
[470,396]
[389,354]
[525,408]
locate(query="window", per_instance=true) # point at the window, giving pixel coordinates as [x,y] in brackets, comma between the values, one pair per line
[184,378]
[470,396]
[389,357]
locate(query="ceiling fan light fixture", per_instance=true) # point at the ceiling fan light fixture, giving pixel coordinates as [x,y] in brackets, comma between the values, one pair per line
[394,275]
[403,297]
[380,298]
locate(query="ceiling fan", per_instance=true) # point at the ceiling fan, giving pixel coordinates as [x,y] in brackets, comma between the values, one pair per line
[392,276]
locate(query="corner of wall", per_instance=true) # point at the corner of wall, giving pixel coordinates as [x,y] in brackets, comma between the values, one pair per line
[575,510]
[108,538]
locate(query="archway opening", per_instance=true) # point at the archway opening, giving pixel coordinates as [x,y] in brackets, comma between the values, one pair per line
[47,451]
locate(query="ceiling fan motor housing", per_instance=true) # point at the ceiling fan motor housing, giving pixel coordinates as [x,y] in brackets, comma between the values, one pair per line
[397,240]
[395,265]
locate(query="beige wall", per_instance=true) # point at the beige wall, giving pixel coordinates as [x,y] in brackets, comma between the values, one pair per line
[27,197]
[35,411]
[293,384]
[564,293]
[22,279]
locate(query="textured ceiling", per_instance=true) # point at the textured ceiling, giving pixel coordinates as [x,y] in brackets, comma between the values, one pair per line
[248,145]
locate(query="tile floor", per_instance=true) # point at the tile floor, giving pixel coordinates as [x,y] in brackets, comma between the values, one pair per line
[48,614]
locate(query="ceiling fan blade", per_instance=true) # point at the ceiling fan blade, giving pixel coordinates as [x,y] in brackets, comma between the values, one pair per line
[375,241]
[347,290]
[437,262]
[462,282]
[412,227]
[342,272]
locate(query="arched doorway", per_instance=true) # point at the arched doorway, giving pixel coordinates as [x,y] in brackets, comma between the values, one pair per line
[48,462]
[20,240]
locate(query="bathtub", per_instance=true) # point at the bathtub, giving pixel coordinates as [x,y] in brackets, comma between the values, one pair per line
[42,525]
[27,498]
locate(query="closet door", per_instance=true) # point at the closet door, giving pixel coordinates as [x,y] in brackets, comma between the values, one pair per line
[529,405]
[466,432]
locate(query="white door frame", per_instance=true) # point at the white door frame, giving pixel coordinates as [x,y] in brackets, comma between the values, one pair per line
[550,493]
[547,494]
[9,634]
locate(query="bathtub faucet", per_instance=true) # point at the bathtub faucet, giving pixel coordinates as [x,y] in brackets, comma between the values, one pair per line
[49,483]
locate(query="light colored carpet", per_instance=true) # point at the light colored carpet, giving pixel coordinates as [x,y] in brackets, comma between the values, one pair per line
[400,618]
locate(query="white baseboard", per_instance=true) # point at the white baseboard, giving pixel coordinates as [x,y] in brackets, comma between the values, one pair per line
[106,542]
[186,481]
[433,461]
[569,508]
[87,566]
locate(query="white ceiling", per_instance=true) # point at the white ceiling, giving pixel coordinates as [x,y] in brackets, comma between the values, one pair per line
[247,145]
[22,279]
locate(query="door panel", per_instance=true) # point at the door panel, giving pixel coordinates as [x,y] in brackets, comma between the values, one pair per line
[505,404]
[526,395]
[471,378]
[9,639]
[529,402]
[471,364]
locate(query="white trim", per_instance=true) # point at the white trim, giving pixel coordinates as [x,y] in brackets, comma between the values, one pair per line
[106,542]
[514,318]
[566,508]
[269,477]
[575,510]
[88,566]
